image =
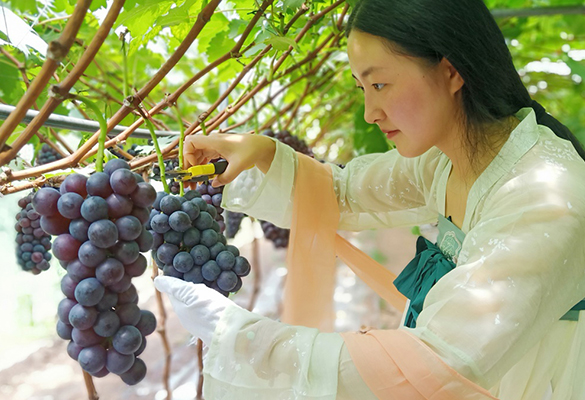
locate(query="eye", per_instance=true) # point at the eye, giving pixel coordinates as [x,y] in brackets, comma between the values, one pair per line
[378,86]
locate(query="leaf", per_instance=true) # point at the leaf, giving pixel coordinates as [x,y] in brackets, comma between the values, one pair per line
[219,45]
[282,43]
[95,4]
[294,4]
[576,66]
[10,83]
[23,5]
[367,138]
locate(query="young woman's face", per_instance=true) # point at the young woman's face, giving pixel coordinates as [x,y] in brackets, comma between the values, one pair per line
[401,94]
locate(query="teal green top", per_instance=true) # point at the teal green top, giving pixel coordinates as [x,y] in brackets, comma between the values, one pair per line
[432,262]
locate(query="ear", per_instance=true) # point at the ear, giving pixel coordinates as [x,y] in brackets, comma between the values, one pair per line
[454,81]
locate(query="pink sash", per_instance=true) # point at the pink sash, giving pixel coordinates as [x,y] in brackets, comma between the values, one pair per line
[393,363]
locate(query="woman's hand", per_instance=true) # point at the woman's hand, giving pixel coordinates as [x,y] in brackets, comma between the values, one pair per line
[242,151]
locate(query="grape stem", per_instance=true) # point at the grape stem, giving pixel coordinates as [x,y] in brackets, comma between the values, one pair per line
[99,161]
[159,155]
[181,140]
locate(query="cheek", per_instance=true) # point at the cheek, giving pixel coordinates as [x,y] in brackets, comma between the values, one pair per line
[408,108]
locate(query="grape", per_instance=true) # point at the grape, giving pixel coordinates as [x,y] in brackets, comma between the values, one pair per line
[127,340]
[200,254]
[109,272]
[212,211]
[227,281]
[98,184]
[107,323]
[69,205]
[128,296]
[160,223]
[55,224]
[68,286]
[135,374]
[92,359]
[166,252]
[89,292]
[173,237]
[122,285]
[170,204]
[209,237]
[77,271]
[129,227]
[234,220]
[74,183]
[103,233]
[233,249]
[86,338]
[128,313]
[127,252]
[144,195]
[136,268]
[81,317]
[210,270]
[191,237]
[66,247]
[64,309]
[118,205]
[179,221]
[204,221]
[183,262]
[147,323]
[143,214]
[46,155]
[91,255]
[123,181]
[32,250]
[78,229]
[45,201]
[107,302]
[241,267]
[64,330]
[226,260]
[118,363]
[115,164]
[169,270]
[73,350]
[159,197]
[194,275]
[190,209]
[94,208]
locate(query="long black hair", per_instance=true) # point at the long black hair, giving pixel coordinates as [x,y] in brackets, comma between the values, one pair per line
[464,32]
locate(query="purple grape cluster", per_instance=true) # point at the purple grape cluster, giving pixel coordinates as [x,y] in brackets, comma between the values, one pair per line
[286,137]
[33,243]
[47,154]
[99,221]
[213,196]
[188,243]
[233,220]
[134,151]
[174,186]
[278,236]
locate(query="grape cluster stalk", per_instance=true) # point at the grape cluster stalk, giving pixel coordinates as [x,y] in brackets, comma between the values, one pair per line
[172,164]
[189,245]
[46,155]
[32,242]
[280,236]
[99,222]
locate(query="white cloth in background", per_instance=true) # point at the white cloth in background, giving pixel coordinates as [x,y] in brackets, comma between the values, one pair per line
[494,318]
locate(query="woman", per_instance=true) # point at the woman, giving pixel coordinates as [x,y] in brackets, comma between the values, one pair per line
[494,307]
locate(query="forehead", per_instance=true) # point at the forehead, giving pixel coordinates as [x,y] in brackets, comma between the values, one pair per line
[369,53]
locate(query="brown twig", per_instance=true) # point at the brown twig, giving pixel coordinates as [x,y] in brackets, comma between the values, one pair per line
[91,392]
[161,329]
[200,365]
[57,50]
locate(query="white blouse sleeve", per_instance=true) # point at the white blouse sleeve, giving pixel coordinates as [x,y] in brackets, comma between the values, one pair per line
[373,191]
[254,357]
[521,268]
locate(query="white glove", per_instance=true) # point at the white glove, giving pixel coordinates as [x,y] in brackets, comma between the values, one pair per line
[199,308]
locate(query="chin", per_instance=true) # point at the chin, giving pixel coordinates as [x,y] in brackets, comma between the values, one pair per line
[409,152]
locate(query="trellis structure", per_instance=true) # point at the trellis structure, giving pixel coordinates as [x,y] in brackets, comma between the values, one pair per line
[313,69]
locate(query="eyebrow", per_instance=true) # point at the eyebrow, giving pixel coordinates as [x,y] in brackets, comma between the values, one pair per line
[368,71]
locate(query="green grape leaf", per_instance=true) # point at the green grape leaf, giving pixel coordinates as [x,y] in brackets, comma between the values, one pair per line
[95,4]
[23,5]
[282,43]
[294,4]
[10,83]
[576,66]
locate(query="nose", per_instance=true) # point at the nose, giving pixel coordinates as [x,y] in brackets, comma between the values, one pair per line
[372,112]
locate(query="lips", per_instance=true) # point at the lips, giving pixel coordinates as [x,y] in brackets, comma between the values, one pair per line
[390,134]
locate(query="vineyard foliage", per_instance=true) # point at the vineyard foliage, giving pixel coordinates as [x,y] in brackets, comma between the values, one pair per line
[319,101]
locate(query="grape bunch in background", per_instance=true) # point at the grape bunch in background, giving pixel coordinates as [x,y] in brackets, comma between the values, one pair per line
[213,196]
[233,221]
[170,165]
[188,243]
[134,151]
[47,154]
[279,236]
[99,221]
[33,243]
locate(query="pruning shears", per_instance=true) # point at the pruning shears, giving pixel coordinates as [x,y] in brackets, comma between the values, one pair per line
[199,173]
